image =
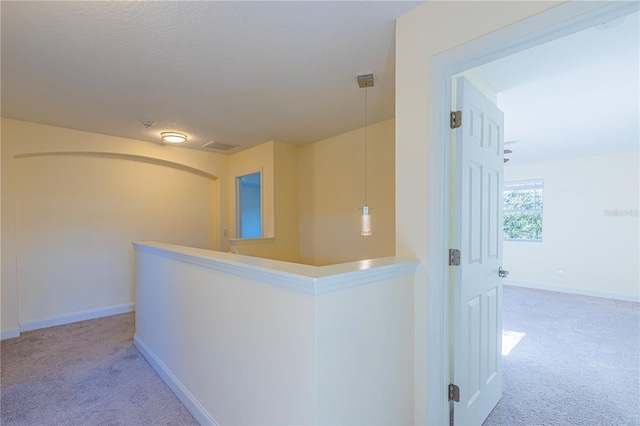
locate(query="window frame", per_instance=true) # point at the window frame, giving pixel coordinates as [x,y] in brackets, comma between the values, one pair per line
[523,185]
[238,202]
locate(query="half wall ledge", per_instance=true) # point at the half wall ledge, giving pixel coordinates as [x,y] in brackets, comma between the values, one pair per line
[307,279]
[246,340]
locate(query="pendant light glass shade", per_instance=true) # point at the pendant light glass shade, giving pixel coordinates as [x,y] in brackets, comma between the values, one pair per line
[365,223]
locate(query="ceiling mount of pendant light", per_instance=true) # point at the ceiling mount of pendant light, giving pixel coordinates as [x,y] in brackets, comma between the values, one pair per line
[173,137]
[365,81]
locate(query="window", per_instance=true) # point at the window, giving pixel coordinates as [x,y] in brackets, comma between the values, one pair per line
[249,206]
[523,210]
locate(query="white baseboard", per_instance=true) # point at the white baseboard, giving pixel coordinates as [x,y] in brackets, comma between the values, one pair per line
[9,333]
[76,316]
[571,290]
[183,394]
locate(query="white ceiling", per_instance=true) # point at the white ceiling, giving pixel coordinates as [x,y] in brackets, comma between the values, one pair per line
[575,96]
[239,73]
[243,73]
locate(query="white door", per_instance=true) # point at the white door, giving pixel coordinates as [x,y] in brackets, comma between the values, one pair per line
[477,233]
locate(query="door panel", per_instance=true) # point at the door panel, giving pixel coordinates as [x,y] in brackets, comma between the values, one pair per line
[475,221]
[477,288]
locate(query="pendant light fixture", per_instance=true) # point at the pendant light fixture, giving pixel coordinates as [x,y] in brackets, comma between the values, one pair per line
[365,81]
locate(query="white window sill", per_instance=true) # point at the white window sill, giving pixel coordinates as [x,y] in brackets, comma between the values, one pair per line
[248,241]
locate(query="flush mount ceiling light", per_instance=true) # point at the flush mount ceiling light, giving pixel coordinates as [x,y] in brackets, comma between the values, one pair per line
[173,137]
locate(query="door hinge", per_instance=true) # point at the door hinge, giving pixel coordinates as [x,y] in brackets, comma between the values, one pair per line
[455,119]
[454,393]
[454,257]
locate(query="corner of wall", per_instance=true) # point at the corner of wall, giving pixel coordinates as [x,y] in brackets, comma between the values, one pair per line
[42,146]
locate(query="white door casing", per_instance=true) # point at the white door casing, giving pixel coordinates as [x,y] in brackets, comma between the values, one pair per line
[477,287]
[557,22]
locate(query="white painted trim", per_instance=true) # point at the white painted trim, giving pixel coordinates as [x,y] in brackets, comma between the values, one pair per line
[236,178]
[572,290]
[247,241]
[237,244]
[190,402]
[343,281]
[76,316]
[122,156]
[557,22]
[437,269]
[307,279]
[9,333]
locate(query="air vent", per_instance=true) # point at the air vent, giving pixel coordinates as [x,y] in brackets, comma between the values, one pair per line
[219,146]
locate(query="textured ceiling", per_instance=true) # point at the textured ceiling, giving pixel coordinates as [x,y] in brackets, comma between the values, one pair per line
[243,73]
[239,73]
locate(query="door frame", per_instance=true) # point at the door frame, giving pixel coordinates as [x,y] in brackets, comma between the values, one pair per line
[550,25]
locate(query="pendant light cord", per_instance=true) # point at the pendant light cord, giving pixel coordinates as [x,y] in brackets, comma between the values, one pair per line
[365,148]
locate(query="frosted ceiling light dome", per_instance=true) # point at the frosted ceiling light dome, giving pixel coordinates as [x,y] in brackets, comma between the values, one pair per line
[173,137]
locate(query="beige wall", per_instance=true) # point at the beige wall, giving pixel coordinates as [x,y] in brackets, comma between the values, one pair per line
[278,163]
[286,201]
[313,194]
[73,201]
[256,159]
[365,354]
[281,347]
[71,196]
[332,192]
[590,228]
[257,362]
[421,34]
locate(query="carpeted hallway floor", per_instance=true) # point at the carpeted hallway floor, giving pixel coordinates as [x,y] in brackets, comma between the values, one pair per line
[578,362]
[86,373]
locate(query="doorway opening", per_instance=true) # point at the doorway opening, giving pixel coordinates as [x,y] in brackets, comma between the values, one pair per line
[443,67]
[590,73]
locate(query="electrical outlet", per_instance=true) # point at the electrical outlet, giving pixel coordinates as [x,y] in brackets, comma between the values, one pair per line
[225,232]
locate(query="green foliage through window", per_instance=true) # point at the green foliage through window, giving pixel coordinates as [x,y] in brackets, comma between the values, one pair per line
[523,210]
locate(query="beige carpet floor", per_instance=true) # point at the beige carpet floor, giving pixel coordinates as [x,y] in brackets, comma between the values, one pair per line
[86,373]
[577,363]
